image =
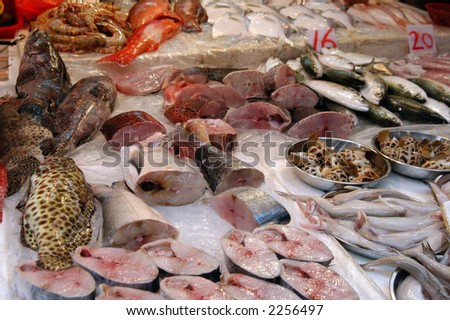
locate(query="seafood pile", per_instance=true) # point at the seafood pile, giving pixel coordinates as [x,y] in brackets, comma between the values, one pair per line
[344,165]
[421,153]
[85,27]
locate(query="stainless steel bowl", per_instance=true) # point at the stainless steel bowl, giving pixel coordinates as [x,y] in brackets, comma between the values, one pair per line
[406,169]
[338,144]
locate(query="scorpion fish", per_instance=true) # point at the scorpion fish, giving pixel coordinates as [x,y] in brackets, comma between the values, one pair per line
[145,11]
[192,14]
[57,213]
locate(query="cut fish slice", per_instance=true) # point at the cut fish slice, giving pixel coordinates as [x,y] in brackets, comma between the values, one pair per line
[247,208]
[247,254]
[118,267]
[192,288]
[105,292]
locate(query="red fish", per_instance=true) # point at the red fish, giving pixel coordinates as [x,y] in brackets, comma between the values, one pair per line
[145,11]
[191,13]
[3,188]
[146,38]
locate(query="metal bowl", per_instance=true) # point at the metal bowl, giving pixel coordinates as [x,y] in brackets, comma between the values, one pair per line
[338,144]
[406,169]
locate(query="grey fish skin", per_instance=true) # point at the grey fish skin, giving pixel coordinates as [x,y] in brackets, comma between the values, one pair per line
[367,194]
[440,270]
[223,171]
[344,77]
[434,89]
[382,116]
[86,107]
[247,207]
[43,80]
[412,110]
[430,283]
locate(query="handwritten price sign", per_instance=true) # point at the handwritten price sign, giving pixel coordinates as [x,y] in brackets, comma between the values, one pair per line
[323,38]
[421,38]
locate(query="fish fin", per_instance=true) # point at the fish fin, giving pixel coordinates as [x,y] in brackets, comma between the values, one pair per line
[382,200]
[122,58]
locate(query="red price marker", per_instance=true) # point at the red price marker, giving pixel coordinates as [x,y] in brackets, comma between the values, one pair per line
[421,38]
[323,38]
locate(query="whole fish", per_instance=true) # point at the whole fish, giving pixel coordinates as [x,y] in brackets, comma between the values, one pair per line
[430,283]
[192,288]
[81,114]
[344,77]
[434,89]
[128,222]
[245,253]
[145,11]
[311,63]
[247,208]
[399,224]
[367,194]
[33,283]
[358,59]
[335,61]
[375,88]
[105,292]
[336,107]
[174,257]
[146,38]
[313,281]
[412,110]
[223,171]
[243,287]
[348,97]
[57,214]
[42,79]
[192,14]
[118,266]
[405,88]
[440,270]
[382,116]
[294,243]
[438,107]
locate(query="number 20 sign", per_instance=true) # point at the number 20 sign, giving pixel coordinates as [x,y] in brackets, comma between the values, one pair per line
[421,38]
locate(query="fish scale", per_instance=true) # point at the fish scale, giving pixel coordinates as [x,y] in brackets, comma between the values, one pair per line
[57,213]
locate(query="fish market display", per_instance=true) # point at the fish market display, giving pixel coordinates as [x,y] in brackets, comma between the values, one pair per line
[106,292]
[412,110]
[117,266]
[174,257]
[85,27]
[293,96]
[32,282]
[3,188]
[294,243]
[247,208]
[192,14]
[405,88]
[246,253]
[421,153]
[313,281]
[57,214]
[223,171]
[131,127]
[81,114]
[220,134]
[192,288]
[128,222]
[158,177]
[433,89]
[242,287]
[249,83]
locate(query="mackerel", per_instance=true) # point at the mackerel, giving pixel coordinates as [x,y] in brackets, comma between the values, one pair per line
[382,116]
[434,89]
[344,77]
[311,64]
[348,97]
[405,88]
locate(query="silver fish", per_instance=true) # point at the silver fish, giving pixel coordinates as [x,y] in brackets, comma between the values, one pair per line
[398,224]
[375,88]
[358,59]
[367,194]
[434,89]
[413,207]
[335,61]
[440,270]
[405,88]
[438,107]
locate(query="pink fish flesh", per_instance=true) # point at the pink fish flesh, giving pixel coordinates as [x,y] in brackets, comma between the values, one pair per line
[192,288]
[118,267]
[247,208]
[31,282]
[294,243]
[249,83]
[220,133]
[245,253]
[177,258]
[232,97]
[328,123]
[293,96]
[243,287]
[259,115]
[146,81]
[278,77]
[106,292]
[313,281]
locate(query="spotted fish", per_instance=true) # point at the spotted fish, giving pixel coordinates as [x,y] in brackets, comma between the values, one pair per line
[57,214]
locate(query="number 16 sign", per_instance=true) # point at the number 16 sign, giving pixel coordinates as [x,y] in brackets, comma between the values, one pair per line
[421,38]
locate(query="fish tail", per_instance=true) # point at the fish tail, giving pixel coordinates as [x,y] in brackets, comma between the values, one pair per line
[55,260]
[122,58]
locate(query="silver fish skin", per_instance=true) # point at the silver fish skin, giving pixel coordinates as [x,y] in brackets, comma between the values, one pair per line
[247,208]
[344,77]
[358,59]
[440,270]
[430,283]
[399,224]
[367,194]
[434,89]
[438,107]
[87,106]
[412,207]
[405,88]
[311,64]
[375,88]
[348,97]
[382,116]
[335,61]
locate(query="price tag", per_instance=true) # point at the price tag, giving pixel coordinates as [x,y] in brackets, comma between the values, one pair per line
[322,38]
[421,38]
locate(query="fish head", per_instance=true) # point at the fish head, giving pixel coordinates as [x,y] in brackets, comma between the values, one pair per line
[38,42]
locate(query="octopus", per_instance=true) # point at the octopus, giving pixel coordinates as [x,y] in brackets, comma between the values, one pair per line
[345,165]
[85,27]
[420,153]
